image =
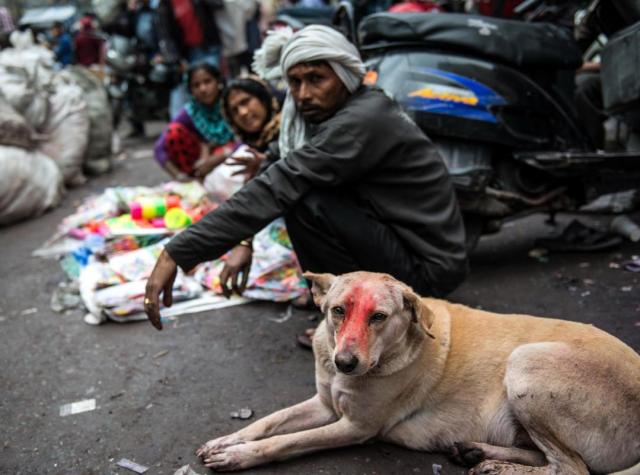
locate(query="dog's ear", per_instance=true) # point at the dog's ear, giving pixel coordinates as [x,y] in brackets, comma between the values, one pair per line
[321,283]
[421,314]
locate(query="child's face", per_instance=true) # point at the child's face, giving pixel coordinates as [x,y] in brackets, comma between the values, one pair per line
[204,87]
[246,111]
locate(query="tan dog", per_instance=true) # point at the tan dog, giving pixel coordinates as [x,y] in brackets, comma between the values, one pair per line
[435,376]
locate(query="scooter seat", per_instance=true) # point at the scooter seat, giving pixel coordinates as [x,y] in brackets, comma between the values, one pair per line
[517,43]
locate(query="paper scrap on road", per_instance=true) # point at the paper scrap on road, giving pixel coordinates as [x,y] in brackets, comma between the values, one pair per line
[185,470]
[134,467]
[77,407]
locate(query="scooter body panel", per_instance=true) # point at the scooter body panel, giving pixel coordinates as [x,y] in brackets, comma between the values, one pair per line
[455,96]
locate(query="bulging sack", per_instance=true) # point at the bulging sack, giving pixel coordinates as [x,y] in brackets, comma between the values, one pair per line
[14,129]
[30,184]
[66,132]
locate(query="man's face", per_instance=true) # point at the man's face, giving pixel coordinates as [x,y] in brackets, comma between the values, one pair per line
[317,90]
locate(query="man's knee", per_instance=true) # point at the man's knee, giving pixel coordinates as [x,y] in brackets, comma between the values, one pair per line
[314,205]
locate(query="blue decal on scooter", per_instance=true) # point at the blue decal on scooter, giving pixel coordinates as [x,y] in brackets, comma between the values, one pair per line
[462,97]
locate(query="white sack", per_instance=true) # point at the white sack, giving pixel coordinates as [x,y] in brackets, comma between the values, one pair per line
[14,129]
[25,80]
[98,108]
[67,132]
[30,184]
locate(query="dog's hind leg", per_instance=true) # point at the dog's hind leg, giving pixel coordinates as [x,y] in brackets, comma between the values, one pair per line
[306,415]
[472,453]
[577,405]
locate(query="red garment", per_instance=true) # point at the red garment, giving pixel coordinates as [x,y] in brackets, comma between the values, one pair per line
[414,7]
[88,48]
[189,24]
[496,8]
[183,147]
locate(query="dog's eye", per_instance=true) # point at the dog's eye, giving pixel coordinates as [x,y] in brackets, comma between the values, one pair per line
[377,317]
[338,311]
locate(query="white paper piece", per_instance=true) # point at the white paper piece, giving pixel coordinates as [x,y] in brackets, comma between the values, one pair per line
[77,407]
[135,467]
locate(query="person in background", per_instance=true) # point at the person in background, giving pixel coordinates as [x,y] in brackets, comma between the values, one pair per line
[252,111]
[6,27]
[187,33]
[198,138]
[62,44]
[234,21]
[89,46]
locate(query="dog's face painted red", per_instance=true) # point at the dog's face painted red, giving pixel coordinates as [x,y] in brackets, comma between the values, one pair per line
[366,314]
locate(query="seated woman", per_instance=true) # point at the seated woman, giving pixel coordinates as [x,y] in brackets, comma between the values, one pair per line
[198,139]
[252,111]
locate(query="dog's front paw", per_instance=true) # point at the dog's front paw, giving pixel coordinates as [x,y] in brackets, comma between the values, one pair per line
[219,443]
[466,454]
[234,457]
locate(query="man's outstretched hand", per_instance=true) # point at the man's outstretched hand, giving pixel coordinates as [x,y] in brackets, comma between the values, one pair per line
[160,280]
[236,269]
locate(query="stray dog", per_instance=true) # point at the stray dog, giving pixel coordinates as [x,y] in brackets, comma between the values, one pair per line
[503,393]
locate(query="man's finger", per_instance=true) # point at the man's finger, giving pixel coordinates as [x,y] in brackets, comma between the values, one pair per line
[167,292]
[241,171]
[224,276]
[245,279]
[235,282]
[151,307]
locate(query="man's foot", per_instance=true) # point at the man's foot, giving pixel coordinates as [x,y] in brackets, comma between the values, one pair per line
[305,340]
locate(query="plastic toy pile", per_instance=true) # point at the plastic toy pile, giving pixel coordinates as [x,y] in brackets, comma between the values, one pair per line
[111,243]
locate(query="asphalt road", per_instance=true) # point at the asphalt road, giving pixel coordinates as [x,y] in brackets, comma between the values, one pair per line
[161,394]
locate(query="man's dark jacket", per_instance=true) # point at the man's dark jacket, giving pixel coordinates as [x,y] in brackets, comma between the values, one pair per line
[370,147]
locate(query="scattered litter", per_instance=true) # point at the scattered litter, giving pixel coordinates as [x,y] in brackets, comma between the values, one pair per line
[148,406]
[134,467]
[77,407]
[585,294]
[29,311]
[436,468]
[614,265]
[284,316]
[584,264]
[588,281]
[91,319]
[185,470]
[161,354]
[539,254]
[626,288]
[65,297]
[625,227]
[116,395]
[244,413]
[633,265]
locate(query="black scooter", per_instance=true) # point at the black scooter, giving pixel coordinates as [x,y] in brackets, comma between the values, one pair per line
[496,97]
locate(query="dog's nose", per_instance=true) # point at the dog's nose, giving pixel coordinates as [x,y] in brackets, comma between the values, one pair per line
[346,362]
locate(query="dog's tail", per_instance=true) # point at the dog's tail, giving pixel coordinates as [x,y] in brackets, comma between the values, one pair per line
[635,470]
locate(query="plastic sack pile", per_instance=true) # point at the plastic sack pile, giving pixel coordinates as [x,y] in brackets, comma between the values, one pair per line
[111,244]
[52,126]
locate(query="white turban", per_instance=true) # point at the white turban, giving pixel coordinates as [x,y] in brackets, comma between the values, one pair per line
[312,43]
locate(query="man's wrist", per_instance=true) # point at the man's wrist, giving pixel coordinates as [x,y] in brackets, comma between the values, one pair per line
[246,243]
